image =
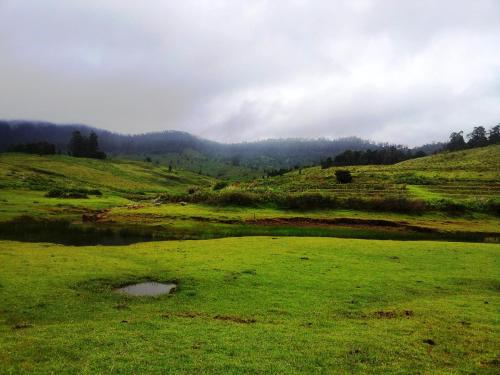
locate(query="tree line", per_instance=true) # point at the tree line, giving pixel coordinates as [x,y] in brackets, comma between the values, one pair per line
[267,154]
[384,155]
[479,137]
[39,148]
[81,146]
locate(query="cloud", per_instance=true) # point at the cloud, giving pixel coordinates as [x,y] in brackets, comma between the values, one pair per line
[387,70]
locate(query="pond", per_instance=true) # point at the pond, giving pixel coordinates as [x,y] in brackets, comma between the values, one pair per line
[147,289]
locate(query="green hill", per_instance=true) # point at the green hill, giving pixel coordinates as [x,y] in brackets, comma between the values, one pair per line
[463,175]
[26,180]
[477,161]
[21,171]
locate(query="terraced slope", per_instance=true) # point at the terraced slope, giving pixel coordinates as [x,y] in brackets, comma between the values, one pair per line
[464,175]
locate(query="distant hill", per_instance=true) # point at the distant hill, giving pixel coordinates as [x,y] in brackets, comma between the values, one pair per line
[283,151]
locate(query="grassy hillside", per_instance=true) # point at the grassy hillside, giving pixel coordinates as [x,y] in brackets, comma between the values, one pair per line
[482,160]
[199,163]
[253,306]
[25,181]
[21,171]
[464,175]
[142,201]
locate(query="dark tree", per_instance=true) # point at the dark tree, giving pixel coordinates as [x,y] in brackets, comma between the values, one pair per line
[235,160]
[85,147]
[327,163]
[76,145]
[277,172]
[494,135]
[478,137]
[93,144]
[456,142]
[93,147]
[40,148]
[384,155]
[343,176]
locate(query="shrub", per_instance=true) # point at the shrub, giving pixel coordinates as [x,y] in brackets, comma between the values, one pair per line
[413,179]
[72,193]
[57,193]
[220,185]
[449,206]
[306,201]
[40,148]
[238,197]
[386,204]
[54,193]
[493,207]
[343,176]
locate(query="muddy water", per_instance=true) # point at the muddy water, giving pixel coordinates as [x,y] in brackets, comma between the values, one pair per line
[147,289]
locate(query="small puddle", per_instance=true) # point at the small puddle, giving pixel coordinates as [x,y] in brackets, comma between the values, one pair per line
[149,289]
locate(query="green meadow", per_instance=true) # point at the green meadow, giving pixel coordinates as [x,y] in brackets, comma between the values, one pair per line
[253,305]
[397,272]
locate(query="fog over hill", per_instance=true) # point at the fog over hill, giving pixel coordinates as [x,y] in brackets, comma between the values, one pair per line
[291,151]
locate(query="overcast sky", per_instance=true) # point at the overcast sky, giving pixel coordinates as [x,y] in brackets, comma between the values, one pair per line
[402,71]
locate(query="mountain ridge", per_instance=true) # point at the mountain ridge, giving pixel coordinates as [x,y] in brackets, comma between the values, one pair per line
[276,152]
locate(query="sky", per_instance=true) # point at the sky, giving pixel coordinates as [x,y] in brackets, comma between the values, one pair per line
[399,71]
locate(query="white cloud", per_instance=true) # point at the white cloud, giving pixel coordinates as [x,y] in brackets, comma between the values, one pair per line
[389,70]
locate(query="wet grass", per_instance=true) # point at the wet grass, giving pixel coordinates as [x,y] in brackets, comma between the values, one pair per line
[257,305]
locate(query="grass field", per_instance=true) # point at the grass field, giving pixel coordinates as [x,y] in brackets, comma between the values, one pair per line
[264,290]
[252,305]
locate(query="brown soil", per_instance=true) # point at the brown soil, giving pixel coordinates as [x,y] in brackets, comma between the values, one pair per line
[92,217]
[22,325]
[235,319]
[392,314]
[189,314]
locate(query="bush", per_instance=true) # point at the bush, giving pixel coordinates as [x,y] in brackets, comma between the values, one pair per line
[72,193]
[413,179]
[449,206]
[237,197]
[312,201]
[386,204]
[220,185]
[307,201]
[54,193]
[57,193]
[493,207]
[343,176]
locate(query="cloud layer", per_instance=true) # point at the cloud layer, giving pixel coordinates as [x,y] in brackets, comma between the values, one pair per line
[388,70]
